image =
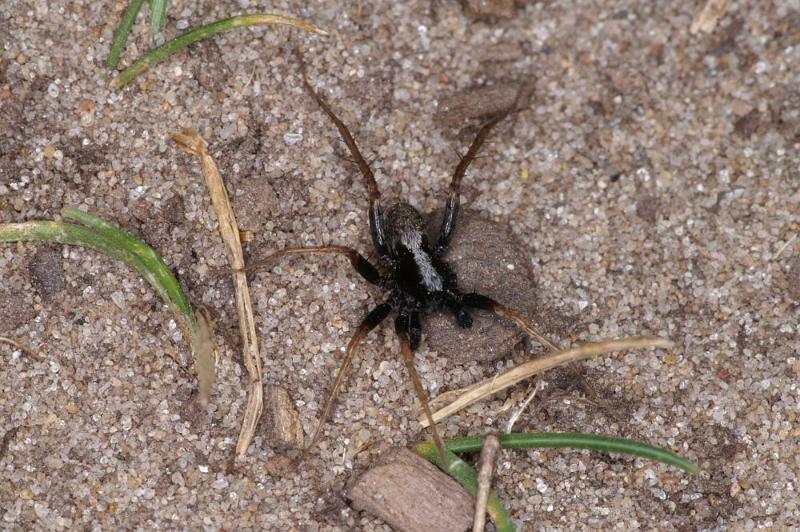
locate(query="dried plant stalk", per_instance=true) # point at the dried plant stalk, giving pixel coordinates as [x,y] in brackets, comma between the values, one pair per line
[193,144]
[488,457]
[500,382]
[708,17]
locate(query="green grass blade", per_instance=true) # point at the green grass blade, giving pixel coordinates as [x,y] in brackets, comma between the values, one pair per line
[155,270]
[157,54]
[468,478]
[121,35]
[575,440]
[158,15]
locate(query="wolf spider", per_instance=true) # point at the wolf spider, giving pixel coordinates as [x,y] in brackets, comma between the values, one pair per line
[410,270]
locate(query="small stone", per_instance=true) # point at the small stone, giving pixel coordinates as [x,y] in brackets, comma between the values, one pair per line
[49,151]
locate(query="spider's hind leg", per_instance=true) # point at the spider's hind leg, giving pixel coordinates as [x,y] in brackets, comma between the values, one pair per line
[458,308]
[401,326]
[408,321]
[486,303]
[373,319]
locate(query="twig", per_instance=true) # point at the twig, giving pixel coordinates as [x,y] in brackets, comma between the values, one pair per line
[191,142]
[708,17]
[515,416]
[784,246]
[488,455]
[500,382]
[22,348]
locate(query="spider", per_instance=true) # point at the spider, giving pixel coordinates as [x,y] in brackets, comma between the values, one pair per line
[411,269]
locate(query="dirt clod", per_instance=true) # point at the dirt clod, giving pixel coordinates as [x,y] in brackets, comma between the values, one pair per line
[15,311]
[47,272]
[488,9]
[456,109]
[411,494]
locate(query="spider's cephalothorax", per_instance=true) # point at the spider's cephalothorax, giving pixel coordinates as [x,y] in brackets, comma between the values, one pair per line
[411,270]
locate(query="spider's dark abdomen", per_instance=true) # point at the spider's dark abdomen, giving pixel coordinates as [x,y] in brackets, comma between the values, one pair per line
[417,272]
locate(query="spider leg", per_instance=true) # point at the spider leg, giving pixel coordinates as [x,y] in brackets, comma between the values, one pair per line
[375,211]
[373,319]
[486,303]
[401,326]
[361,265]
[454,197]
[411,325]
[454,303]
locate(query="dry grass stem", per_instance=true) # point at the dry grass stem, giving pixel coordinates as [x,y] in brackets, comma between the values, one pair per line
[515,416]
[708,17]
[22,348]
[784,247]
[488,457]
[500,382]
[191,142]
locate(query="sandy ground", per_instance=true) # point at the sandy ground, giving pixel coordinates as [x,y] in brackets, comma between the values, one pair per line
[653,183]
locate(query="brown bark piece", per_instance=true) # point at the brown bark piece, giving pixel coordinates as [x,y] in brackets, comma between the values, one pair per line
[490,260]
[411,494]
[281,422]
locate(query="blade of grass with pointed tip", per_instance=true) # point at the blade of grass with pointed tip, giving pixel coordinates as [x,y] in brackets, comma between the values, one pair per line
[122,33]
[561,440]
[158,15]
[156,271]
[154,56]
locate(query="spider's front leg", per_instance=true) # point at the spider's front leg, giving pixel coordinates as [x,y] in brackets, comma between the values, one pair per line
[376,223]
[454,196]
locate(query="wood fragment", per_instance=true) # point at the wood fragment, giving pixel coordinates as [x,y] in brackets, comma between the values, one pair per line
[491,444]
[708,17]
[193,144]
[412,495]
[281,423]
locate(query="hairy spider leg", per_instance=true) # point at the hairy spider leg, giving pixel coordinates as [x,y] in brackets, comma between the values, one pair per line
[373,319]
[457,307]
[376,223]
[361,265]
[454,196]
[408,357]
[409,320]
[486,303]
